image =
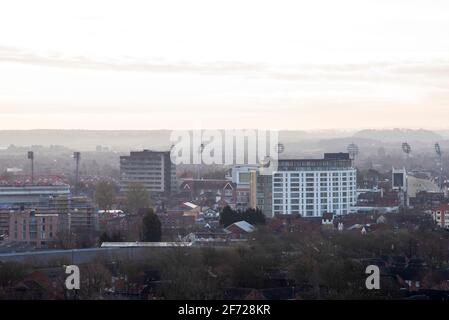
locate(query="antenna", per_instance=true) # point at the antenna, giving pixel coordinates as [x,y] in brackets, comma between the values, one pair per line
[77,157]
[31,158]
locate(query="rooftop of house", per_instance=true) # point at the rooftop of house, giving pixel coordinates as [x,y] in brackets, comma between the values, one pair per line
[190,205]
[328,216]
[443,207]
[206,184]
[243,225]
[144,244]
[281,222]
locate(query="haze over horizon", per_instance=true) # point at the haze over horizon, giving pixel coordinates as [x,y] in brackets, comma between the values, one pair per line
[327,130]
[288,65]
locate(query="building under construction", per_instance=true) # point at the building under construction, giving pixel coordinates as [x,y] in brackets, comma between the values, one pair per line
[39,224]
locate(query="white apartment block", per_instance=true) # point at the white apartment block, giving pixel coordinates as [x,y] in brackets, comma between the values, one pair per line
[311,187]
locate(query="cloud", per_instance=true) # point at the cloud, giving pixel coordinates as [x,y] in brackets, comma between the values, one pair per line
[366,71]
[16,55]
[405,71]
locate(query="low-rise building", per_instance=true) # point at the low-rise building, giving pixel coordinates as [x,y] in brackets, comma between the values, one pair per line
[39,223]
[28,195]
[33,227]
[426,200]
[220,189]
[441,216]
[240,229]
[176,221]
[328,219]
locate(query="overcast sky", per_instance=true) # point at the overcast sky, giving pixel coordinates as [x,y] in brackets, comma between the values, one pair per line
[178,64]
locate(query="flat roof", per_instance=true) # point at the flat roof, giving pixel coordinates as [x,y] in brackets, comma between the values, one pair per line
[144,244]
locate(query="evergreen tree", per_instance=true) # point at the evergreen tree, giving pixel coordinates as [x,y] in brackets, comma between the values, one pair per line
[228,216]
[151,227]
[250,215]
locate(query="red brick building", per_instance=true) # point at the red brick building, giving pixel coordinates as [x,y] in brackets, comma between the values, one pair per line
[441,216]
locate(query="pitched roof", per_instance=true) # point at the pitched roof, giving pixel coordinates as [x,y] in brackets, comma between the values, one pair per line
[207,184]
[245,226]
[443,207]
[190,205]
[328,216]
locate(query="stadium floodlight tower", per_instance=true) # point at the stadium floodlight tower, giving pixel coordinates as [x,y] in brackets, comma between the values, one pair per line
[407,149]
[31,158]
[77,157]
[440,164]
[279,148]
[200,154]
[353,150]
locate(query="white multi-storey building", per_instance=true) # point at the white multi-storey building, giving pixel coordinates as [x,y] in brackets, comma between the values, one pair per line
[311,187]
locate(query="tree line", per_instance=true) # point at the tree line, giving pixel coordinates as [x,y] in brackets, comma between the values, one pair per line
[229,216]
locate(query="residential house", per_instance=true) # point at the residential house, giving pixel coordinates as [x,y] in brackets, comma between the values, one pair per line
[240,229]
[328,218]
[202,189]
[441,216]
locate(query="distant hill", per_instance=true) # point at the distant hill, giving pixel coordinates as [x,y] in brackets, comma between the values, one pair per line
[88,139]
[342,143]
[399,135]
[296,142]
[287,136]
[125,140]
[444,133]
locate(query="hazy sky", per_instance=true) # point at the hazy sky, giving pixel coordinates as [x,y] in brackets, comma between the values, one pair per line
[176,64]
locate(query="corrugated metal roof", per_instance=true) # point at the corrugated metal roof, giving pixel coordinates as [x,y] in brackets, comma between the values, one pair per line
[144,244]
[245,226]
